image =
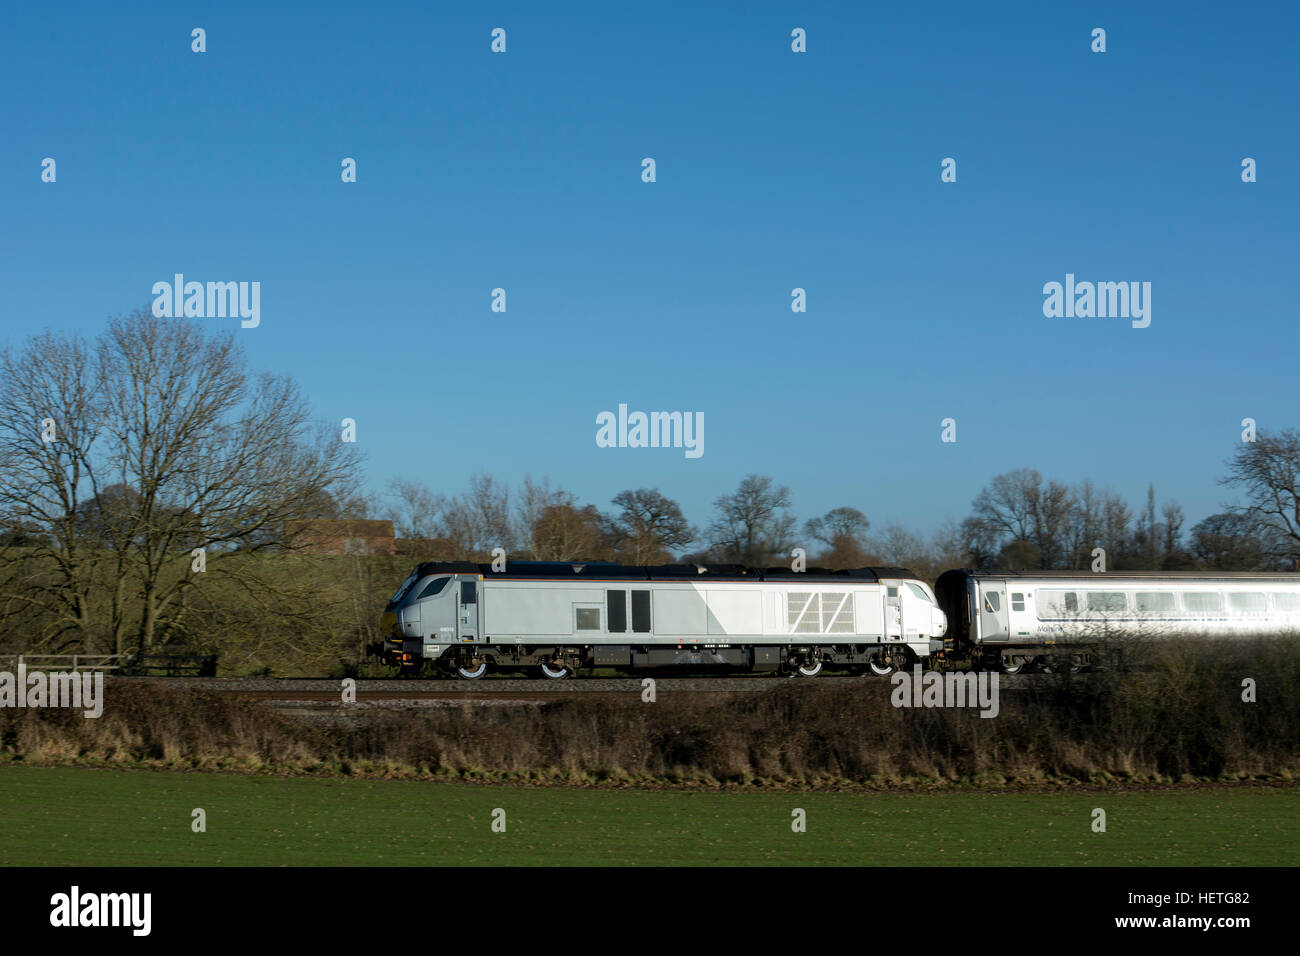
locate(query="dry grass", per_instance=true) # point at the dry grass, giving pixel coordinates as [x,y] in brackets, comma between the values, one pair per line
[1177,717]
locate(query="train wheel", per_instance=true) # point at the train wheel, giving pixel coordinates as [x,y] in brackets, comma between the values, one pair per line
[555,673]
[472,673]
[879,667]
[809,670]
[1013,665]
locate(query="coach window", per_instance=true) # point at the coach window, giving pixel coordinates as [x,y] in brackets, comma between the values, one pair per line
[1286,602]
[616,602]
[468,592]
[1056,605]
[1017,601]
[994,601]
[1108,602]
[1155,603]
[434,587]
[1248,602]
[587,618]
[1201,601]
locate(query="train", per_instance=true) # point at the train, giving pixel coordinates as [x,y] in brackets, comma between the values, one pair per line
[553,619]
[1012,620]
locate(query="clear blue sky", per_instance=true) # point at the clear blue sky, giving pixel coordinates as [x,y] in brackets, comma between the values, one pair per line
[775,170]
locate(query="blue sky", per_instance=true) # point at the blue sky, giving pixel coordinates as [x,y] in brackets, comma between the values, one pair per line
[775,170]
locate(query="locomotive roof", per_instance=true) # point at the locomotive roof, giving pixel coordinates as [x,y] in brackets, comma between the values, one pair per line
[607,570]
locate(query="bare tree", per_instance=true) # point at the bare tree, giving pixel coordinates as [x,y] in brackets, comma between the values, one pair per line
[1267,471]
[1023,520]
[1115,534]
[901,548]
[947,548]
[1171,528]
[1006,505]
[209,456]
[565,532]
[1051,506]
[1232,541]
[1151,535]
[1085,525]
[414,509]
[50,425]
[839,527]
[479,520]
[648,526]
[535,499]
[751,525]
[981,539]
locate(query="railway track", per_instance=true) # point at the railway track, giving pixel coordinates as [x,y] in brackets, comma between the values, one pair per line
[313,690]
[364,696]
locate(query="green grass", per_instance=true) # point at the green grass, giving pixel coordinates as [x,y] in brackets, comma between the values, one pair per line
[78,816]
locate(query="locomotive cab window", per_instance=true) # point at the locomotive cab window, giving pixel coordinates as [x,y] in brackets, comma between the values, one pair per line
[434,587]
[406,586]
[919,592]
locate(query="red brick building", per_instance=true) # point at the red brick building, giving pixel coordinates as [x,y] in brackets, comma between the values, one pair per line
[342,536]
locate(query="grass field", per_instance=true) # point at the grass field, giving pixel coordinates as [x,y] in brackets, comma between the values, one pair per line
[76,816]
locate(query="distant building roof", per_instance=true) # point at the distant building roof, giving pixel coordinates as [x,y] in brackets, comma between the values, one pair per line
[342,527]
[342,535]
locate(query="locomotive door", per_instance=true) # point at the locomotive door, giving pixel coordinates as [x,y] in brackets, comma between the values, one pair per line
[893,614]
[468,611]
[994,625]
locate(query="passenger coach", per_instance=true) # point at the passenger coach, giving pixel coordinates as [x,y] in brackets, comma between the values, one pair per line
[1052,618]
[559,617]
